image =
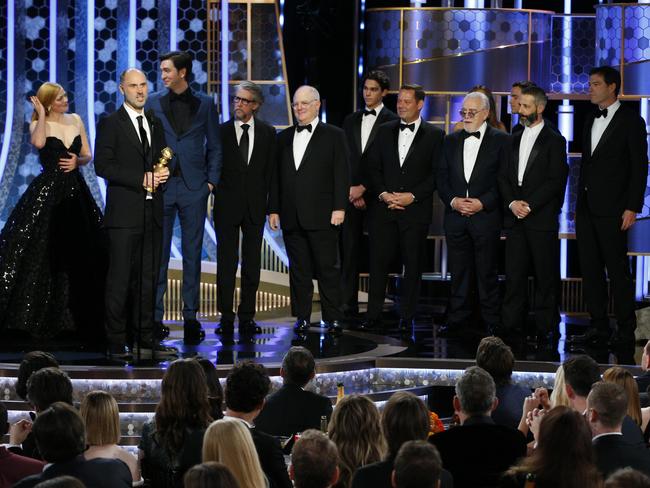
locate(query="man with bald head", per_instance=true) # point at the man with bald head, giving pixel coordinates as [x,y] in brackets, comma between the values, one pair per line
[128,142]
[308,197]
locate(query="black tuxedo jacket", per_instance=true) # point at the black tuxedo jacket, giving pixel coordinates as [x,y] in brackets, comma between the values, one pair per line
[352,129]
[271,458]
[417,175]
[120,160]
[615,174]
[244,186]
[379,475]
[292,409]
[493,155]
[544,181]
[613,452]
[306,197]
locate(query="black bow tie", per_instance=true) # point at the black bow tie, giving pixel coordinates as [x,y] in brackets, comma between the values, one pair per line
[370,112]
[300,128]
[407,126]
[476,134]
[601,113]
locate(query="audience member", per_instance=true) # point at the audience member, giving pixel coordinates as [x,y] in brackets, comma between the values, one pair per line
[61,482]
[314,461]
[627,478]
[495,357]
[559,396]
[563,457]
[404,418]
[228,441]
[246,388]
[606,407]
[624,378]
[61,439]
[171,442]
[209,475]
[417,465]
[14,467]
[293,409]
[643,381]
[32,362]
[355,428]
[215,392]
[478,451]
[102,421]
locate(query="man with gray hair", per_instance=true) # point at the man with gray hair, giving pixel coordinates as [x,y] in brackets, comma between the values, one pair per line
[314,461]
[248,146]
[478,442]
[468,186]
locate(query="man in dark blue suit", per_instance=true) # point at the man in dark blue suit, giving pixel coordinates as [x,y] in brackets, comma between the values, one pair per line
[191,125]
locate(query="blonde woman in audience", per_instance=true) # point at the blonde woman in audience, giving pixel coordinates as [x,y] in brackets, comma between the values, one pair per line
[541,399]
[559,396]
[624,378]
[228,441]
[102,419]
[355,428]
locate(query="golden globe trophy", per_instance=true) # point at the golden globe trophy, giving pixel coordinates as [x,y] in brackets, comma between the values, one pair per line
[165,156]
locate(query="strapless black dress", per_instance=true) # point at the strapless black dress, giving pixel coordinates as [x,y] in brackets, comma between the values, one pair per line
[53,256]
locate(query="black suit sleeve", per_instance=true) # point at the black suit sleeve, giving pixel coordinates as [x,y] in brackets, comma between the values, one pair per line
[425,188]
[374,168]
[490,199]
[505,186]
[341,171]
[638,147]
[446,160]
[106,164]
[558,171]
[274,188]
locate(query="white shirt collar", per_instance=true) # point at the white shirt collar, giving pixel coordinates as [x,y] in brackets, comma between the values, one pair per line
[533,131]
[133,113]
[251,123]
[313,124]
[605,434]
[417,123]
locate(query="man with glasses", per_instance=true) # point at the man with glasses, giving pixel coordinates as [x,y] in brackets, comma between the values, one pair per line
[308,198]
[468,186]
[248,146]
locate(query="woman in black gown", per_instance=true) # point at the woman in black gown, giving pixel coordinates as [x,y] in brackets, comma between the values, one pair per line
[52,250]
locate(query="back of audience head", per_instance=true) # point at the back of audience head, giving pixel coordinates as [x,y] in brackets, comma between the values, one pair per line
[606,407]
[215,392]
[417,465]
[229,441]
[101,417]
[247,385]
[314,461]
[623,377]
[59,433]
[580,372]
[558,395]
[209,475]
[475,393]
[61,482]
[48,385]
[404,418]
[298,366]
[495,357]
[627,478]
[32,362]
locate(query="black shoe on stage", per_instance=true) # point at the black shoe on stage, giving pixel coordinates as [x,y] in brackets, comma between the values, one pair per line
[301,325]
[118,352]
[333,326]
[193,333]
[147,350]
[249,327]
[226,327]
[160,330]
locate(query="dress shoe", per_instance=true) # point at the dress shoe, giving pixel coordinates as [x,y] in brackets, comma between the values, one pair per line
[593,337]
[160,330]
[371,324]
[119,351]
[148,350]
[332,325]
[405,325]
[301,325]
[226,327]
[193,333]
[249,326]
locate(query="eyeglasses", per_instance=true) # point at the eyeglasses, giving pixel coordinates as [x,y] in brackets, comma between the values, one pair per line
[469,114]
[243,101]
[302,104]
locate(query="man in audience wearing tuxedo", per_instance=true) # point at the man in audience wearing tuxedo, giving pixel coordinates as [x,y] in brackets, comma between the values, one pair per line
[293,409]
[418,464]
[468,175]
[401,171]
[532,190]
[478,451]
[361,128]
[314,461]
[308,198]
[612,184]
[247,385]
[606,409]
[248,146]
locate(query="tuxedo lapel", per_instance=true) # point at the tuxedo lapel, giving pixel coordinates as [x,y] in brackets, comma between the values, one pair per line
[313,141]
[534,152]
[460,155]
[357,131]
[416,139]
[396,142]
[616,121]
[166,109]
[514,171]
[485,142]
[258,141]
[129,130]
[381,118]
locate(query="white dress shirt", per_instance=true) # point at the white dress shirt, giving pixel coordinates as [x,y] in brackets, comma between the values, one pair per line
[133,115]
[367,123]
[405,139]
[471,147]
[601,123]
[251,134]
[528,138]
[301,140]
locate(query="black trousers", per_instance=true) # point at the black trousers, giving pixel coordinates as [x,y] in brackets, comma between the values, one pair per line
[314,253]
[603,246]
[472,257]
[134,260]
[541,249]
[386,239]
[227,260]
[350,246]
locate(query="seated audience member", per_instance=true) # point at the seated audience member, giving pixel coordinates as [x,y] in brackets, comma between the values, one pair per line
[14,467]
[562,458]
[246,388]
[492,120]
[209,475]
[417,465]
[495,357]
[606,407]
[558,395]
[228,441]
[404,418]
[32,362]
[215,392]
[314,461]
[643,381]
[627,478]
[61,439]
[102,421]
[624,378]
[292,409]
[61,482]
[478,451]
[171,442]
[355,429]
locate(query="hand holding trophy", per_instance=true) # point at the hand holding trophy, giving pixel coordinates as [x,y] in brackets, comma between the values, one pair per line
[160,171]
